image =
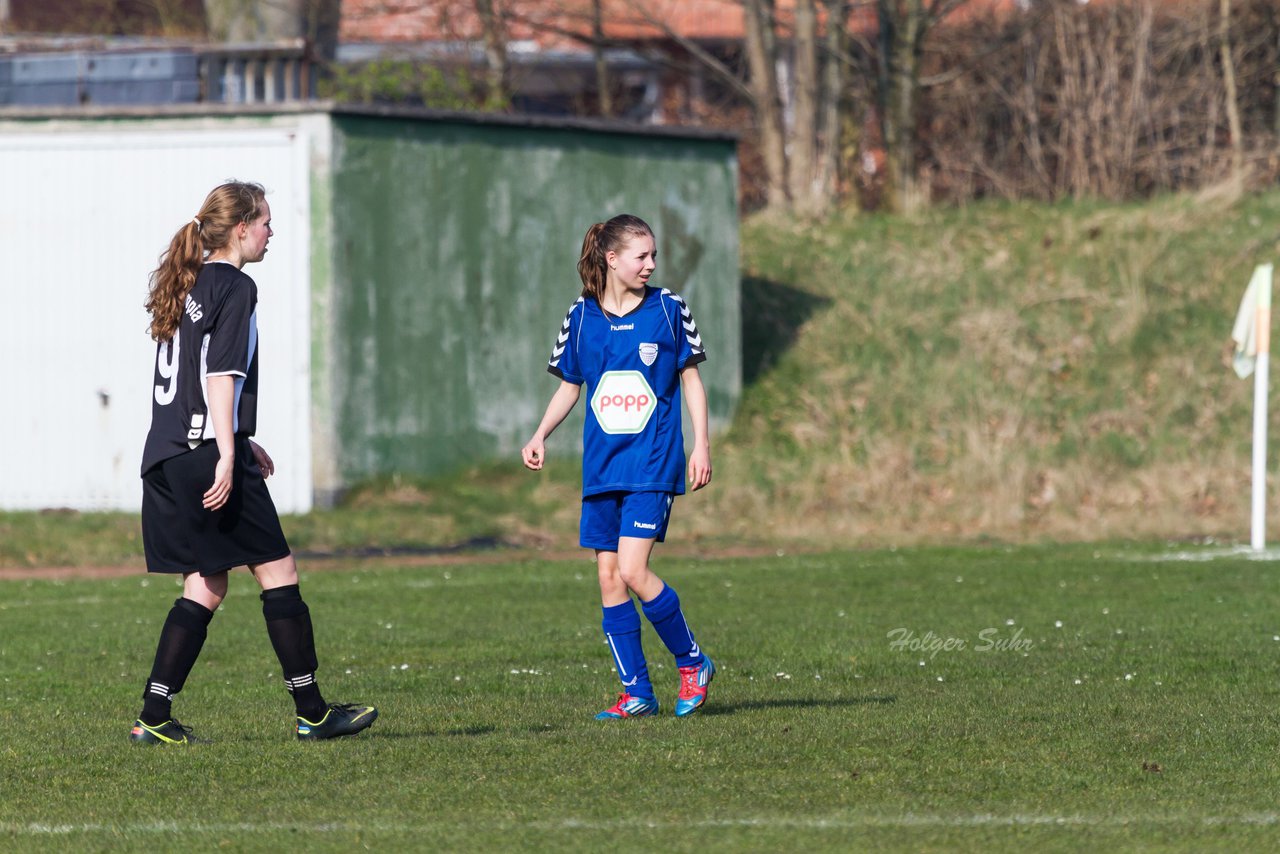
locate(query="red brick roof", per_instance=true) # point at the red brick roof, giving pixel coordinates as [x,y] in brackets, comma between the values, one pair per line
[550,23]
[553,24]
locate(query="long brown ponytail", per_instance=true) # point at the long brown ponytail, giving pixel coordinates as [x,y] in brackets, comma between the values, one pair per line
[602,238]
[226,206]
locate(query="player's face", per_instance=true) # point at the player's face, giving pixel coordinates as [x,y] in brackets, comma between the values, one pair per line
[253,246]
[634,263]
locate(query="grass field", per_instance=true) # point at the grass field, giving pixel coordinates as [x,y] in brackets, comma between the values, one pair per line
[1105,697]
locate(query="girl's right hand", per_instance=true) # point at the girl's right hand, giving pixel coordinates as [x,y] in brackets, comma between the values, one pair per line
[217,495]
[533,455]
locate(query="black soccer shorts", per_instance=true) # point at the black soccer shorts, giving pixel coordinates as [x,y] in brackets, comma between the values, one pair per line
[179,535]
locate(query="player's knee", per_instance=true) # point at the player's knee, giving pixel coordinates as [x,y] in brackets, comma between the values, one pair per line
[610,578]
[208,591]
[633,574]
[278,573]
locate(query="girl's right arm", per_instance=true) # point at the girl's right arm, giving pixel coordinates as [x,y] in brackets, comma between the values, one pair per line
[222,395]
[562,403]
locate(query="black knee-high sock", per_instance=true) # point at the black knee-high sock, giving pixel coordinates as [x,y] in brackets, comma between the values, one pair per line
[181,640]
[289,627]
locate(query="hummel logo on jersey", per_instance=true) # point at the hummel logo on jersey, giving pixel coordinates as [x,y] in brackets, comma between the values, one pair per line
[648,353]
[648,526]
[621,327]
[194,310]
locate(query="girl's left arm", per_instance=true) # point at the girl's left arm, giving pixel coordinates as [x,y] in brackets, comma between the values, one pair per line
[695,397]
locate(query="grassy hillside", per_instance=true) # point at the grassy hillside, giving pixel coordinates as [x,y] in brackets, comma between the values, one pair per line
[1004,371]
[1007,370]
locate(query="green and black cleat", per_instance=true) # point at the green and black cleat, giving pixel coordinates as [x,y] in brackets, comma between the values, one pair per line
[169,732]
[339,719]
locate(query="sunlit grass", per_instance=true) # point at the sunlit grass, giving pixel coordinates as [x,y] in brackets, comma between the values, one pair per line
[1066,698]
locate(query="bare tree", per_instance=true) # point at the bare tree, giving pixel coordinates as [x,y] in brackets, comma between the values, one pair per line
[834,93]
[759,89]
[762,55]
[1232,103]
[818,90]
[493,26]
[803,166]
[903,27]
[603,87]
[798,155]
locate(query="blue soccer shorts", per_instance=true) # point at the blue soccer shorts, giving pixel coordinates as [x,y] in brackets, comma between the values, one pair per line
[610,515]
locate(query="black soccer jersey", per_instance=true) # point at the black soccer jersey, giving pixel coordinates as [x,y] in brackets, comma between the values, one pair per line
[218,336]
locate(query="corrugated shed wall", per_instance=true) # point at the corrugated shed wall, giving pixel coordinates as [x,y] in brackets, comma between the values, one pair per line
[454,262]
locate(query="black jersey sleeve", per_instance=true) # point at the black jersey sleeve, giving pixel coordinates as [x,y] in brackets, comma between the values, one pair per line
[229,328]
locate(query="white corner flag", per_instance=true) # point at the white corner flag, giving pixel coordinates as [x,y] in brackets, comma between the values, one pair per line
[1252,335]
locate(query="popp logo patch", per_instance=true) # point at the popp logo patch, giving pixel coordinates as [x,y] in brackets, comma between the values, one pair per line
[623,402]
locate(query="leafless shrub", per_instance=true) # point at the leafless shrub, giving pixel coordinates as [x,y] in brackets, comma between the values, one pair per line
[1114,100]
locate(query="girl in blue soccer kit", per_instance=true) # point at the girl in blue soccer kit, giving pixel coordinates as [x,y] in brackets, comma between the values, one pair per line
[635,348]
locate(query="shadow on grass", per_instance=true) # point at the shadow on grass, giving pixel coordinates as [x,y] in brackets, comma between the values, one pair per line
[475,544]
[798,702]
[416,735]
[482,729]
[772,314]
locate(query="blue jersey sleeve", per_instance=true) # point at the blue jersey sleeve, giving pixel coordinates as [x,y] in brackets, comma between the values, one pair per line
[688,341]
[565,361]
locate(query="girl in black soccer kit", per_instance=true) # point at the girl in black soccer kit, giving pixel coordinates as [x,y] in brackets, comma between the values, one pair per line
[205,504]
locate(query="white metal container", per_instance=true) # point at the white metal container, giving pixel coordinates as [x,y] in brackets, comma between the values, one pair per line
[86,211]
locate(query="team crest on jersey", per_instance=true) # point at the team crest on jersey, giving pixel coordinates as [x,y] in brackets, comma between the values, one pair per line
[648,354]
[623,402]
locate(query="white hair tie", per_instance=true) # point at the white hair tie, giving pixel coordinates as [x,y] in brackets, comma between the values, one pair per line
[196,220]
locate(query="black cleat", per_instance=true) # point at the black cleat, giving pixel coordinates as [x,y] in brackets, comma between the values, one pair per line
[339,719]
[169,732]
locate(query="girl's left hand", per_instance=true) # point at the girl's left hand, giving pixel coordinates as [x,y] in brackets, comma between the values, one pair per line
[263,459]
[699,468]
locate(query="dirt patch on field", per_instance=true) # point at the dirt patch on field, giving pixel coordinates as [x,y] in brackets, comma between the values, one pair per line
[322,562]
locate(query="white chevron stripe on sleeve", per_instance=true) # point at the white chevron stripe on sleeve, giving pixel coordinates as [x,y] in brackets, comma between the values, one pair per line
[562,338]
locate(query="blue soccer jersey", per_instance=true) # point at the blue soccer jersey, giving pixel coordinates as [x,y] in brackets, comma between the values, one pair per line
[631,439]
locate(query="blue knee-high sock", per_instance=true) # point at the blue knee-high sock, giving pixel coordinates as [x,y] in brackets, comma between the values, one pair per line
[668,621]
[621,626]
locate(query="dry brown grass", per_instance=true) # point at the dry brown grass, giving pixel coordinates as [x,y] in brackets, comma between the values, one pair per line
[1006,372]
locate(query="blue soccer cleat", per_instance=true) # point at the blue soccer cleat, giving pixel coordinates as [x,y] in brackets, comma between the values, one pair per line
[694,681]
[629,707]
